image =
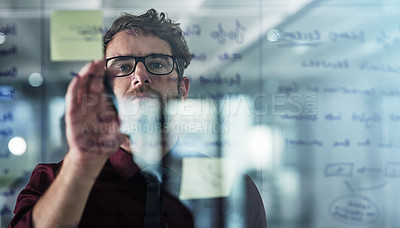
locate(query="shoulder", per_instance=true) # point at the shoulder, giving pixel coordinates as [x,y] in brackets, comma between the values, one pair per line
[254,205]
[41,178]
[43,174]
[49,167]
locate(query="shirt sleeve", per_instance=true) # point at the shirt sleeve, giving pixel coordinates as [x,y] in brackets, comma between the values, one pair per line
[41,178]
[256,216]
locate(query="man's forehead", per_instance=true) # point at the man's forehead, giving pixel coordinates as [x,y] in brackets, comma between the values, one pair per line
[126,43]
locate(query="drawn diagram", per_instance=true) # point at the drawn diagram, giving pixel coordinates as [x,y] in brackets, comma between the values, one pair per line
[355,209]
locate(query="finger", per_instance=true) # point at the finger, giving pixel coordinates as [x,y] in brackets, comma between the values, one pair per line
[86,69]
[100,85]
[108,86]
[95,83]
[111,75]
[83,76]
[72,93]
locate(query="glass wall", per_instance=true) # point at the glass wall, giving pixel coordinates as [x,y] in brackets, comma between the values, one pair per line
[301,96]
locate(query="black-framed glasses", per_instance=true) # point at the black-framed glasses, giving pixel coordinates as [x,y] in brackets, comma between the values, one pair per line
[157,64]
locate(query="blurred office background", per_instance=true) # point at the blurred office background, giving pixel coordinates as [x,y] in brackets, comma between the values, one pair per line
[303,95]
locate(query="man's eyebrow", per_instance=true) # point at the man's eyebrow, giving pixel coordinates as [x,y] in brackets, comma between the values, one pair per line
[116,55]
[158,53]
[152,53]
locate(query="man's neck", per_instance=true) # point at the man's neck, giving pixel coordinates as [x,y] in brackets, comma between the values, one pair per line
[167,145]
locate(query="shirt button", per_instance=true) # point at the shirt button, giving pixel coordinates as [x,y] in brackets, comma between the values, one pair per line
[165,225]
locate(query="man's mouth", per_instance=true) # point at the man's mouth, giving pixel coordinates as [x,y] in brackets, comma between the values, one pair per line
[143,91]
[144,96]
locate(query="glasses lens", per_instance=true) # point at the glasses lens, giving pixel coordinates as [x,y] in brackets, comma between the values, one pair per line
[122,65]
[159,64]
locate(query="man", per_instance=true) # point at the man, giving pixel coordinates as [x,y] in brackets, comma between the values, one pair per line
[98,184]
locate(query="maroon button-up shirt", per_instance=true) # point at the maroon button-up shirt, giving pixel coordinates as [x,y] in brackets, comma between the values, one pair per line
[118,199]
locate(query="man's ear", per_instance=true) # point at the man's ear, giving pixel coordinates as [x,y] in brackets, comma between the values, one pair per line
[184,87]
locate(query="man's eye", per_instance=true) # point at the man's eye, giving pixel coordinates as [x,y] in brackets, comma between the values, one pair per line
[157,65]
[125,68]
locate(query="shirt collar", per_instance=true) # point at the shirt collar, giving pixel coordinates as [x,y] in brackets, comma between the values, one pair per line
[122,162]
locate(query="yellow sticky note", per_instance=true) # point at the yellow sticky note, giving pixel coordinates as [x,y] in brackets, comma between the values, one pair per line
[206,178]
[76,35]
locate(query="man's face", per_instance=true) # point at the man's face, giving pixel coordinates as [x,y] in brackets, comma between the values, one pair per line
[140,82]
[131,90]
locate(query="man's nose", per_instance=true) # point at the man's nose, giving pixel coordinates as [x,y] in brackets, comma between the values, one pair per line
[140,75]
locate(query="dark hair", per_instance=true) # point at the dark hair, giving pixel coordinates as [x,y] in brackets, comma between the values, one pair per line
[159,25]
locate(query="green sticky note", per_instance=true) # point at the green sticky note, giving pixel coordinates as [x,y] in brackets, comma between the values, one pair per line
[206,178]
[76,35]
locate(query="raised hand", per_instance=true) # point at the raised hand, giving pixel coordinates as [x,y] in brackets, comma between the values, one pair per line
[92,125]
